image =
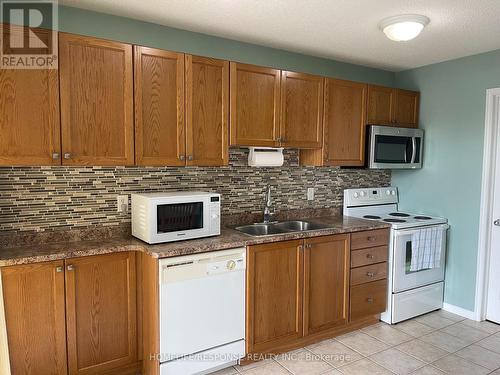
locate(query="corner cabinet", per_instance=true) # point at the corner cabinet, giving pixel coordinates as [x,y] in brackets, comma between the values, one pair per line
[344,122]
[96,101]
[72,317]
[392,107]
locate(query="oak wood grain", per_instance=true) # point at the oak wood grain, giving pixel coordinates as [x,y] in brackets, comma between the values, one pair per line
[159,107]
[96,101]
[368,299]
[369,255]
[254,105]
[101,312]
[301,110]
[274,295]
[370,238]
[207,111]
[366,274]
[326,283]
[30,132]
[406,108]
[380,108]
[35,318]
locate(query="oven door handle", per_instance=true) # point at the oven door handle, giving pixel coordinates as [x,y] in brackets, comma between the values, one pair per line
[403,232]
[414,152]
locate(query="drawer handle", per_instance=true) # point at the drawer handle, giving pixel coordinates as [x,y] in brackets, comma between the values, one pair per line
[369,300]
[59,269]
[372,238]
[370,274]
[70,267]
[370,256]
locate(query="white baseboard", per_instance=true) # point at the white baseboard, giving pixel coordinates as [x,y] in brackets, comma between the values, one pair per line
[459,311]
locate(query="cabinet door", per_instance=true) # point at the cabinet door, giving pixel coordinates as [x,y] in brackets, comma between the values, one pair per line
[101,312]
[301,110]
[207,102]
[34,314]
[96,101]
[29,117]
[380,105]
[274,295]
[326,283]
[344,122]
[255,97]
[159,107]
[406,108]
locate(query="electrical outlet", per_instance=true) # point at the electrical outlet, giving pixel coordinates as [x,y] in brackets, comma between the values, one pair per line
[122,203]
[310,194]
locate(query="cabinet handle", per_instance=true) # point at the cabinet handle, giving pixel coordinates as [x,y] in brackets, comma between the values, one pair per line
[278,139]
[67,155]
[59,269]
[190,157]
[56,155]
[301,247]
[182,157]
[370,256]
[369,300]
[372,238]
[370,274]
[70,267]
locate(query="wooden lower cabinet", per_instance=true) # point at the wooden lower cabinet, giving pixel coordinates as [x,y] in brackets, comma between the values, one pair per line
[72,317]
[326,283]
[274,295]
[35,318]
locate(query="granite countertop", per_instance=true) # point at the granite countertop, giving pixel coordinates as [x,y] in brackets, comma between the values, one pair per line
[229,238]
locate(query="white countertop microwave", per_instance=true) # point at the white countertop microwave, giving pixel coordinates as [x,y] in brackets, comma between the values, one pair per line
[175,216]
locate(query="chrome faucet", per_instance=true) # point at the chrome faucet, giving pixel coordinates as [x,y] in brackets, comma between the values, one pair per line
[267,209]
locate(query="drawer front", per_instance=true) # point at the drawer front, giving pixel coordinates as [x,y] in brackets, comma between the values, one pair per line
[368,299]
[372,238]
[369,273]
[365,257]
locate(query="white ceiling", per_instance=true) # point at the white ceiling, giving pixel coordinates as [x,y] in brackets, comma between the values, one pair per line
[345,30]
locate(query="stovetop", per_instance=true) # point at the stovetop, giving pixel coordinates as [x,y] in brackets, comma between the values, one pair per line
[381,204]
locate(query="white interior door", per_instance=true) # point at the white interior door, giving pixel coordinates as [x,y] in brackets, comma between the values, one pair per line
[493,302]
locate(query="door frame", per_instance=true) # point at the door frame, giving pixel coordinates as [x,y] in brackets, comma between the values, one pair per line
[491,135]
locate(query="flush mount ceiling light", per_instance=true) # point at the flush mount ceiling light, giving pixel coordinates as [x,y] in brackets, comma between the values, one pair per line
[403,28]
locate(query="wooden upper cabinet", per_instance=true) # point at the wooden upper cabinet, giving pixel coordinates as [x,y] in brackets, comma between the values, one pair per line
[207,111]
[406,108]
[35,318]
[29,117]
[274,295]
[380,105]
[96,101]
[159,107]
[101,312]
[254,105]
[301,110]
[326,283]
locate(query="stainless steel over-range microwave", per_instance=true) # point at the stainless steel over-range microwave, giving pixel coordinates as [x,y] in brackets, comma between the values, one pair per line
[175,216]
[394,148]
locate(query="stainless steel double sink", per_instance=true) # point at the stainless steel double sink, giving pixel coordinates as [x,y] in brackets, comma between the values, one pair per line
[280,227]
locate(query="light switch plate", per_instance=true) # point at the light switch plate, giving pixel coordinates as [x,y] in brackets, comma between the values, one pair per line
[310,194]
[121,203]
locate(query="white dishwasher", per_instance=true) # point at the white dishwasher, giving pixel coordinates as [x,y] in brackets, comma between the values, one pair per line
[202,312]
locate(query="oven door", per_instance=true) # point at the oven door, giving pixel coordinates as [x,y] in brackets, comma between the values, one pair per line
[395,148]
[404,278]
[180,219]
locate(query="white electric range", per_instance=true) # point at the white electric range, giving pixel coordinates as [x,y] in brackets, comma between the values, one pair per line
[410,293]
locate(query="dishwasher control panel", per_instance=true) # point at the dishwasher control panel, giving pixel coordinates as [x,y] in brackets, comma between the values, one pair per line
[226,266]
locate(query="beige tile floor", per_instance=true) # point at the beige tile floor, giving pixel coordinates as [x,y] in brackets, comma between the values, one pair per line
[434,344]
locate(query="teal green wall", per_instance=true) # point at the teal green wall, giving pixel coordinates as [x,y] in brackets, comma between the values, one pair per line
[102,25]
[453,96]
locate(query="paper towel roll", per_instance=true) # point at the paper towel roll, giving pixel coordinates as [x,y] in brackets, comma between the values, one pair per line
[265,157]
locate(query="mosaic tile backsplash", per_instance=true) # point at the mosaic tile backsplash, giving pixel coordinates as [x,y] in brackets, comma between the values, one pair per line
[42,198]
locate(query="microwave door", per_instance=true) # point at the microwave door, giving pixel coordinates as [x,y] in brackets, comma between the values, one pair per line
[179,217]
[389,151]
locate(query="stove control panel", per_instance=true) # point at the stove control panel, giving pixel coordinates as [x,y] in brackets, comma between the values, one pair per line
[370,196]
